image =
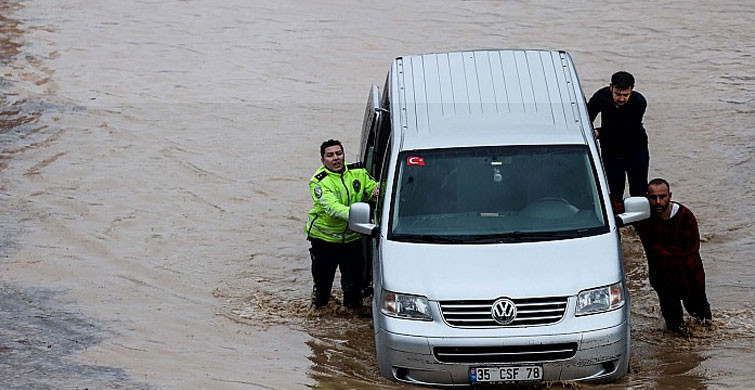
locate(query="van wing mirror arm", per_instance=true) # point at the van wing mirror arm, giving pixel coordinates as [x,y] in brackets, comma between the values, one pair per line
[374,232]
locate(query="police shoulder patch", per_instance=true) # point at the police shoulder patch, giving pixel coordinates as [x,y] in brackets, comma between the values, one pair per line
[356,185]
[318,192]
[321,175]
[355,165]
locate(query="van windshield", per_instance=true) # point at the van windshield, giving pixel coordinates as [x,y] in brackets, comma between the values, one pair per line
[496,194]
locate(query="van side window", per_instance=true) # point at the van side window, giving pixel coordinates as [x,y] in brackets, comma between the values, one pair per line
[385,101]
[372,114]
[369,153]
[381,143]
[383,180]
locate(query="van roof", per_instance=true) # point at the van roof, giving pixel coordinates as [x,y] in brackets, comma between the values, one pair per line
[487,97]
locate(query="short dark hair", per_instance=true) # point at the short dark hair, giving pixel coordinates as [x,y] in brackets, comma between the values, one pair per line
[327,144]
[658,181]
[622,80]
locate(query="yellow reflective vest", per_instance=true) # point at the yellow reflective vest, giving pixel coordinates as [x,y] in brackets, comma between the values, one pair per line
[333,193]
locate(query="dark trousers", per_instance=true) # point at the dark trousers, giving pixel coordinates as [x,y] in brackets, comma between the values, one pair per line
[696,304]
[633,167]
[326,257]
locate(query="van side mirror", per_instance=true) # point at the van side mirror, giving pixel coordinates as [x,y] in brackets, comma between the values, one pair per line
[359,219]
[636,208]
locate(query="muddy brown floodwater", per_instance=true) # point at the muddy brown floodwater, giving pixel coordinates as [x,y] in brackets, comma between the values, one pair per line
[154,158]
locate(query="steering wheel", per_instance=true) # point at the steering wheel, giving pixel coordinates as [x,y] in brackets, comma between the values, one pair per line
[548,199]
[550,207]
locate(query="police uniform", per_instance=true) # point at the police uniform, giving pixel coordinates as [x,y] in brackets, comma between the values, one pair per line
[333,244]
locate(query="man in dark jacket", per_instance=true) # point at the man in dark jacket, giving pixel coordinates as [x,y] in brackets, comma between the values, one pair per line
[672,244]
[623,140]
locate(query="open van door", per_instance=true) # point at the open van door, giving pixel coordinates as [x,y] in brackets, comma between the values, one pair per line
[371,115]
[366,155]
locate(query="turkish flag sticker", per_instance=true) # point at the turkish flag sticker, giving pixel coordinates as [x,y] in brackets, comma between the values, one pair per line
[414,160]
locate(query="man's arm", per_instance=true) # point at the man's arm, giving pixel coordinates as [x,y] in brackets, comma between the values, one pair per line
[593,107]
[642,106]
[689,236]
[371,187]
[647,235]
[638,108]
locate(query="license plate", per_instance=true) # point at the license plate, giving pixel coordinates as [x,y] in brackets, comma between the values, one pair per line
[506,374]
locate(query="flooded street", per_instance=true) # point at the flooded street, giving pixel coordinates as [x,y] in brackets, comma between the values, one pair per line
[154,157]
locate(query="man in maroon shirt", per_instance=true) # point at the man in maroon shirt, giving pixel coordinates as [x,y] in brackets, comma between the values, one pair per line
[672,245]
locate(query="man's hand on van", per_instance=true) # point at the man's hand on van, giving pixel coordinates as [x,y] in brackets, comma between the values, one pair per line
[375,192]
[596,132]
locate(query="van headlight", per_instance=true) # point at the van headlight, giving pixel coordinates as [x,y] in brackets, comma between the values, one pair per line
[600,300]
[412,307]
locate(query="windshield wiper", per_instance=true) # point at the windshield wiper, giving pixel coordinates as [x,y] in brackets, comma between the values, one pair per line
[515,236]
[436,238]
[526,236]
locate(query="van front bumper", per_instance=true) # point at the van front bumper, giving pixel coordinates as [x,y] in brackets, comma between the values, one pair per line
[597,356]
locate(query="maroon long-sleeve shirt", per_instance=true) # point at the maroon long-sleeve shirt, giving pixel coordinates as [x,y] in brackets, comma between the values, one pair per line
[672,247]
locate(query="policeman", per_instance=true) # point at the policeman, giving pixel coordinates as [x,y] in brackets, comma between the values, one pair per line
[334,187]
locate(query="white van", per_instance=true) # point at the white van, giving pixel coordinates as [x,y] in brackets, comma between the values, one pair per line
[496,253]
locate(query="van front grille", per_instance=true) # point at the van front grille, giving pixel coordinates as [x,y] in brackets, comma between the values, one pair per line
[506,354]
[477,314]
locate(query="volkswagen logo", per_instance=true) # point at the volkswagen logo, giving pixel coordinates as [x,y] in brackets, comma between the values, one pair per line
[503,311]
